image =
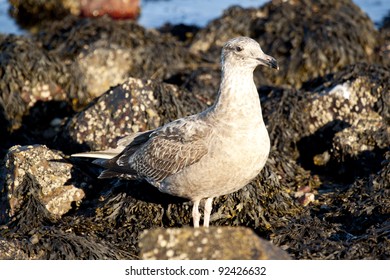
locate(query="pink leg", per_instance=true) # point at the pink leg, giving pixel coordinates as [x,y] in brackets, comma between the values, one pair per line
[195,213]
[208,206]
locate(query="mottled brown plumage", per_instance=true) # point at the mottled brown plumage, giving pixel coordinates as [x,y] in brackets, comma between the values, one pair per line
[156,154]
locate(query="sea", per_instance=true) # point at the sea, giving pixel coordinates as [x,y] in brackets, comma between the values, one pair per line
[155,13]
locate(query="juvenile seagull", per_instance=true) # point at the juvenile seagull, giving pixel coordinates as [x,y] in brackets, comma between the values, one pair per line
[213,153]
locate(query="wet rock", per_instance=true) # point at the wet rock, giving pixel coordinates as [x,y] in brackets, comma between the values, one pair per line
[333,121]
[350,221]
[214,243]
[114,50]
[385,34]
[182,32]
[31,13]
[58,242]
[41,173]
[203,81]
[308,39]
[136,105]
[30,74]
[11,250]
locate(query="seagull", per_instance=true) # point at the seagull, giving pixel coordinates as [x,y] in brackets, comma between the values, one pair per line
[203,156]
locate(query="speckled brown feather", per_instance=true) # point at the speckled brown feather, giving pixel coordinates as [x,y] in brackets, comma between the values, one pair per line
[156,154]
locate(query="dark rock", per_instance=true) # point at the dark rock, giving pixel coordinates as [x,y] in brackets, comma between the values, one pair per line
[183,32]
[308,38]
[203,81]
[12,250]
[29,74]
[214,243]
[385,34]
[32,13]
[58,242]
[49,181]
[349,222]
[114,50]
[334,121]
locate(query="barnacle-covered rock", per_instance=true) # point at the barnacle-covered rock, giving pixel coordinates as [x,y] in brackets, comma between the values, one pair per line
[39,172]
[136,105]
[108,51]
[214,243]
[13,250]
[308,38]
[29,74]
[332,120]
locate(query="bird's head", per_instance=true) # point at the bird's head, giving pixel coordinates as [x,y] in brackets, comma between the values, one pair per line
[246,52]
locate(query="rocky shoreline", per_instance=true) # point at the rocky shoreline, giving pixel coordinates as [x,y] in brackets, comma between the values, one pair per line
[78,84]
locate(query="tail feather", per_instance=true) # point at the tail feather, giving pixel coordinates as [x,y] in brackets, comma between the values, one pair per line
[115,171]
[101,162]
[108,154]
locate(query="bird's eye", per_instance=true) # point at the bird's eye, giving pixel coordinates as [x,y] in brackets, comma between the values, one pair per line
[239,49]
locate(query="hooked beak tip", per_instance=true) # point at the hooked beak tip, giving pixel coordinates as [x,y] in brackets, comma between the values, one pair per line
[273,63]
[269,61]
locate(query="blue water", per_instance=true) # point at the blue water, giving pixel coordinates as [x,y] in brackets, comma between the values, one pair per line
[155,13]
[200,12]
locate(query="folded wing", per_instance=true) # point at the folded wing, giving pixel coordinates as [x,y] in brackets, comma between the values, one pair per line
[154,155]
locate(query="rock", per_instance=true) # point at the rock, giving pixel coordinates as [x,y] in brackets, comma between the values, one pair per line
[333,121]
[41,174]
[12,250]
[385,34]
[349,222]
[31,13]
[182,32]
[203,82]
[309,39]
[136,105]
[53,242]
[113,51]
[214,243]
[30,74]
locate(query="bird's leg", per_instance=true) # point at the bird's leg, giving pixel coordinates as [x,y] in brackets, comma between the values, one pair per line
[195,213]
[208,205]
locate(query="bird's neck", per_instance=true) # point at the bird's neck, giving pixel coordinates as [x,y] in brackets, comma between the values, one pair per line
[237,94]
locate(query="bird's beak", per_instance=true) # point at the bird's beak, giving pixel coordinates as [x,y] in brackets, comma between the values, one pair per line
[268,61]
